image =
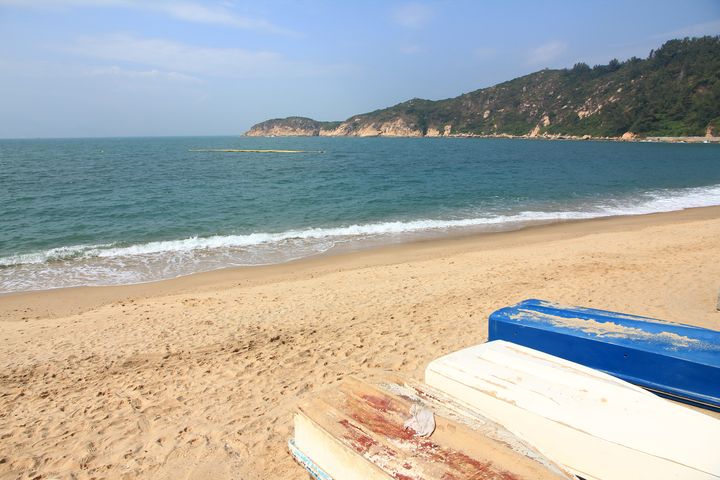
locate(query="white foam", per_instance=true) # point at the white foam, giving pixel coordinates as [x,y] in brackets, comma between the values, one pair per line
[54,254]
[670,200]
[112,264]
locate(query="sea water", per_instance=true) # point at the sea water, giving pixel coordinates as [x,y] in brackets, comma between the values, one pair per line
[127,210]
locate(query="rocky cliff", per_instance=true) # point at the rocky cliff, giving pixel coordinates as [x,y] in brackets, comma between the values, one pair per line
[290,126]
[675,91]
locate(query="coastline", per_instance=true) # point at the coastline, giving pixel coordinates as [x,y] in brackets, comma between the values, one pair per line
[198,376]
[629,137]
[65,301]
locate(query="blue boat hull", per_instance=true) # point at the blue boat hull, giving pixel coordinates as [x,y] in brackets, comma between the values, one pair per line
[678,361]
[311,467]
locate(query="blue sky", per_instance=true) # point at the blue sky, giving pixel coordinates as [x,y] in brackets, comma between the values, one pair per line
[76,68]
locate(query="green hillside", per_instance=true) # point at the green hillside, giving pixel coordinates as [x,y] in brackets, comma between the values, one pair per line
[675,91]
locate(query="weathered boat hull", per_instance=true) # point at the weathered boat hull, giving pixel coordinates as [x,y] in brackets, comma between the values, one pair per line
[596,425]
[681,362]
[356,432]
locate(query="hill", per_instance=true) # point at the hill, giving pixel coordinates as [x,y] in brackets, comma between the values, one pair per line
[675,91]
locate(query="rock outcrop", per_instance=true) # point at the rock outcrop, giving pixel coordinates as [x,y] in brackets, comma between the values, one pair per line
[356,127]
[289,127]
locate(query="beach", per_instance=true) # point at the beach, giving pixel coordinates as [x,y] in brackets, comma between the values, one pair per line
[197,377]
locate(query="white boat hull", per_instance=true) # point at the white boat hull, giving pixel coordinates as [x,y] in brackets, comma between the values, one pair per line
[597,426]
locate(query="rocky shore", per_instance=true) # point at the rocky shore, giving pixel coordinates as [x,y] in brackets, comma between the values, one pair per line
[307,127]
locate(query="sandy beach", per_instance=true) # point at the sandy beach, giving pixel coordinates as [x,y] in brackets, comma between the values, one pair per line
[197,377]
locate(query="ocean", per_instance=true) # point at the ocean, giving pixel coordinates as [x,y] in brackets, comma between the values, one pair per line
[128,210]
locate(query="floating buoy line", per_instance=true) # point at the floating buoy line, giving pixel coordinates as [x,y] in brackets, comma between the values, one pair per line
[234,150]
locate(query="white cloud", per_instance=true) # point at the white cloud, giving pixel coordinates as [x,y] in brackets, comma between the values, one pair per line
[410,49]
[484,52]
[170,56]
[696,30]
[154,74]
[412,15]
[546,52]
[54,70]
[190,11]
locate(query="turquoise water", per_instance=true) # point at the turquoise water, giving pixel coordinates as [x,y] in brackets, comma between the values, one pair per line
[112,211]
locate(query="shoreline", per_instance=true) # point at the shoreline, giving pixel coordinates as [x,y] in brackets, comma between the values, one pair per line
[116,249]
[628,138]
[198,377]
[63,301]
[554,136]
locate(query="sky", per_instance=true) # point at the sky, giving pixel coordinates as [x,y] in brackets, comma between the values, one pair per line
[97,68]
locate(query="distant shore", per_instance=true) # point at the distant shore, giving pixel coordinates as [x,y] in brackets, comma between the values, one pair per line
[544,136]
[698,139]
[611,139]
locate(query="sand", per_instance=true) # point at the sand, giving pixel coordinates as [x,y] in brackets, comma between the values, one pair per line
[197,377]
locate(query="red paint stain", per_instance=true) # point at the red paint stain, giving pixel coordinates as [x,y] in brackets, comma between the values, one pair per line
[383,404]
[400,476]
[383,417]
[380,425]
[360,442]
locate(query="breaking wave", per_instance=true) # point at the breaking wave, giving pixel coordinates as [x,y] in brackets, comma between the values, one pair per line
[105,264]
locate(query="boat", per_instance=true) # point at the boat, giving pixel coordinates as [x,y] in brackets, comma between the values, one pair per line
[596,425]
[359,431]
[678,361]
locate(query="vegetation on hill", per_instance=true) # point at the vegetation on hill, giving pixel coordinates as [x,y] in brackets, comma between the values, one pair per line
[293,126]
[675,91]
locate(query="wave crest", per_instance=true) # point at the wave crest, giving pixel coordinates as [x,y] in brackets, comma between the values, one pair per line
[114,263]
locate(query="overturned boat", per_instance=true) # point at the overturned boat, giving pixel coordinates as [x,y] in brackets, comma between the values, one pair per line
[594,424]
[398,429]
[678,361]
